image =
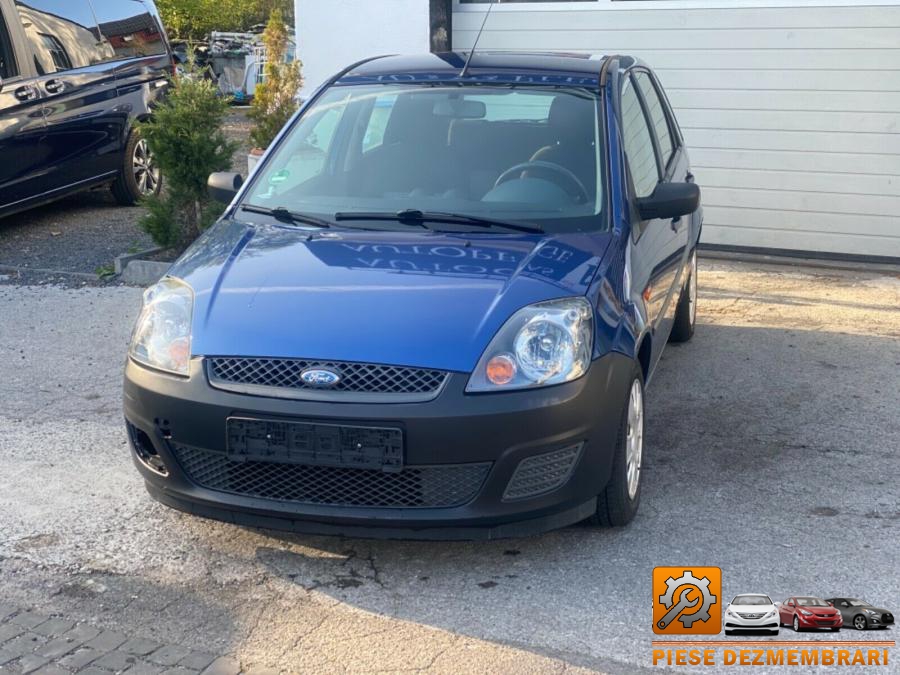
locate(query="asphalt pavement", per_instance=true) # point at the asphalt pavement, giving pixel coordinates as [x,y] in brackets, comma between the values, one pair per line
[773,447]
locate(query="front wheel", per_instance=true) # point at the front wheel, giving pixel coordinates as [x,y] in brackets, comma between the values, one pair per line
[618,503]
[859,622]
[796,625]
[140,176]
[686,312]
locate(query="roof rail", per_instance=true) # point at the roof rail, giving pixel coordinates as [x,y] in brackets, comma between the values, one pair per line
[604,68]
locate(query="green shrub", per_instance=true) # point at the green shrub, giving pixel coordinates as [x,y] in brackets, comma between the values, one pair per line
[274,101]
[196,19]
[186,138]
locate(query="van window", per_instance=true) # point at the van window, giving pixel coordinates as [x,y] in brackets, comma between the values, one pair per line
[62,34]
[7,62]
[129,28]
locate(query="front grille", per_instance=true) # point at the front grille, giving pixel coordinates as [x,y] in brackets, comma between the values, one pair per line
[826,622]
[887,617]
[437,486]
[542,473]
[281,377]
[749,616]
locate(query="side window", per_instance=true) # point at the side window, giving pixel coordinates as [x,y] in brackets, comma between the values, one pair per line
[657,113]
[62,34]
[378,121]
[8,67]
[638,143]
[128,28]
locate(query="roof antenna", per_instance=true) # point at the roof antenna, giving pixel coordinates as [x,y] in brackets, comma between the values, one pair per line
[465,69]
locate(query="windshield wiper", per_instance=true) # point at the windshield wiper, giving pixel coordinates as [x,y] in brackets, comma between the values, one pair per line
[418,217]
[283,215]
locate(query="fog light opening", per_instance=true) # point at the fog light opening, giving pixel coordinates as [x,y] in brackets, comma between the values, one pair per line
[145,450]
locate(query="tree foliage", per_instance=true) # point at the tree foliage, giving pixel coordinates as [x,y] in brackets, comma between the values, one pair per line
[196,19]
[186,138]
[274,101]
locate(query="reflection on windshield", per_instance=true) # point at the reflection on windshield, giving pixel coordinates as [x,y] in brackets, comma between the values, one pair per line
[752,600]
[811,602]
[524,154]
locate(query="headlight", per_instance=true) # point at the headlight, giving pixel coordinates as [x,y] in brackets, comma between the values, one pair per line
[871,612]
[728,612]
[770,614]
[542,344]
[162,335]
[806,612]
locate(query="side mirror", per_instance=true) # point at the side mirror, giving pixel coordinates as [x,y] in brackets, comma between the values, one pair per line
[223,187]
[670,200]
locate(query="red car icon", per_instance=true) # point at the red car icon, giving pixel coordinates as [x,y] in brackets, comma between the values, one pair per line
[806,612]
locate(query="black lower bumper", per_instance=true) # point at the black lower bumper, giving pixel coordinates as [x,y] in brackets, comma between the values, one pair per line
[496,431]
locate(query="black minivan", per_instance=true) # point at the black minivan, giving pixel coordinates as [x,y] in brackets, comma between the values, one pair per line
[75,75]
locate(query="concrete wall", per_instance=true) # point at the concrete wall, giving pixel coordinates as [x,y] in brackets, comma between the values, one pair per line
[332,34]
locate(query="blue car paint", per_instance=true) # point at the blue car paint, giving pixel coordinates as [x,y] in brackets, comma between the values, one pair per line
[396,297]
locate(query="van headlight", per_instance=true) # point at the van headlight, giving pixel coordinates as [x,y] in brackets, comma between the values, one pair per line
[162,334]
[543,344]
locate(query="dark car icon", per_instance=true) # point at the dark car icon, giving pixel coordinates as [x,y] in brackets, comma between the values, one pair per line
[861,615]
[807,612]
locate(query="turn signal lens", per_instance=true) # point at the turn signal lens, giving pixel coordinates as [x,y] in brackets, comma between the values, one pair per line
[501,369]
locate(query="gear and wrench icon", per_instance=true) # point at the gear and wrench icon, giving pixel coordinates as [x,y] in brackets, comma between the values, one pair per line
[667,599]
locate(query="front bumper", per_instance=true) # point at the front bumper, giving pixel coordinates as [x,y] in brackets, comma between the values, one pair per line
[496,431]
[736,622]
[820,622]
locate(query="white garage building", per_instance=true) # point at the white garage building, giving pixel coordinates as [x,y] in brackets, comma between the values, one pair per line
[791,108]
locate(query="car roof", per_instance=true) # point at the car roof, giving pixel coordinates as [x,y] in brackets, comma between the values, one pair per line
[555,68]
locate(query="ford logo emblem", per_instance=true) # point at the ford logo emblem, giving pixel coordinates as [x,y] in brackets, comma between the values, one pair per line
[320,377]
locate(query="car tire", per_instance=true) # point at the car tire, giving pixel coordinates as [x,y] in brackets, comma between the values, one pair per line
[859,622]
[618,503]
[686,312]
[796,624]
[139,176]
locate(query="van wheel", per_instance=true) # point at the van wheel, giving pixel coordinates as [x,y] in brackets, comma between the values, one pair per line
[140,176]
[618,503]
[686,312]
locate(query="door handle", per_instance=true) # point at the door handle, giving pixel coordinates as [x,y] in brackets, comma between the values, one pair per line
[26,93]
[55,86]
[688,177]
[676,224]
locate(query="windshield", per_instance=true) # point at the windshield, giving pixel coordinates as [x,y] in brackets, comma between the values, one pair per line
[859,603]
[751,600]
[508,153]
[811,602]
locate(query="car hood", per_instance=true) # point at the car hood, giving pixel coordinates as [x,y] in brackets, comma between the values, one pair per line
[752,609]
[422,299]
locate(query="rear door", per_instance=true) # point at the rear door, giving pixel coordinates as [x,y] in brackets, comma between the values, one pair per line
[72,60]
[22,127]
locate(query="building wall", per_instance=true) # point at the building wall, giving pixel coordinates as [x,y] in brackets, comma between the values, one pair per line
[332,34]
[791,109]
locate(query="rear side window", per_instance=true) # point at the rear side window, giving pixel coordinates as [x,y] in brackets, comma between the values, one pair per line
[129,28]
[62,34]
[638,143]
[657,114]
[7,61]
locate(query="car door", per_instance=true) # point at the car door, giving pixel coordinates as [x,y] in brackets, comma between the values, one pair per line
[72,60]
[674,168]
[787,611]
[656,243]
[22,125]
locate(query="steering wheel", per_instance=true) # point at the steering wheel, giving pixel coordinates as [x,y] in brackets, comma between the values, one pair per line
[580,192]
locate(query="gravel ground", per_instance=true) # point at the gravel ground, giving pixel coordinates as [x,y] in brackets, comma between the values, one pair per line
[84,233]
[772,442]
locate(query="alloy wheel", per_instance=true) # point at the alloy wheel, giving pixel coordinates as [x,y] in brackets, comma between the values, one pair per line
[634,440]
[146,172]
[859,623]
[796,625]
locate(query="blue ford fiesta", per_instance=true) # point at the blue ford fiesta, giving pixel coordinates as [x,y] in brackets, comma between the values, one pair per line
[433,308]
